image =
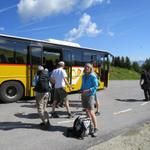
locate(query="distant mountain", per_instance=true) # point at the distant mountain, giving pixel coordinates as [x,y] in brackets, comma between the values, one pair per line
[140,62]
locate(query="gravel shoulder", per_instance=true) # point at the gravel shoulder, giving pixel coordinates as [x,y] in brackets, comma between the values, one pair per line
[134,139]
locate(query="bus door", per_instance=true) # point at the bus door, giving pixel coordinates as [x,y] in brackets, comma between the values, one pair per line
[68,57]
[34,59]
[50,58]
[104,71]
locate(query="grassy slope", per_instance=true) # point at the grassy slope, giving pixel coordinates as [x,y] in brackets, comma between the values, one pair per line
[117,73]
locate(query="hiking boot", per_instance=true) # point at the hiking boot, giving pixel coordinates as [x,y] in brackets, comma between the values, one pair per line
[61,105]
[97,113]
[42,124]
[70,115]
[94,134]
[54,115]
[45,126]
[146,99]
[83,109]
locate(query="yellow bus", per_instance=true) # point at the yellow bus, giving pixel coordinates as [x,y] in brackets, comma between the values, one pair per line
[20,57]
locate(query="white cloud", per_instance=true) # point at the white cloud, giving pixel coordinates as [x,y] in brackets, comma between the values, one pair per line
[89,3]
[36,9]
[86,27]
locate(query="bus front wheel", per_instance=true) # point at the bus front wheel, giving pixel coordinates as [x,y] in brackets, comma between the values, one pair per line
[11,91]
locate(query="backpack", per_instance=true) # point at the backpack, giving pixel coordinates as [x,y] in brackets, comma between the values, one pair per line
[42,85]
[82,127]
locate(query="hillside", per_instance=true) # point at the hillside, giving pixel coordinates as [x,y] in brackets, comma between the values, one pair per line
[117,73]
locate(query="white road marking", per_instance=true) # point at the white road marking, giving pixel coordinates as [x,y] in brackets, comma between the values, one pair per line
[66,121]
[144,103]
[123,111]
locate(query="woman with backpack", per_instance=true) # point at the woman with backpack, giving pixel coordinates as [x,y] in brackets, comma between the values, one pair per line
[88,90]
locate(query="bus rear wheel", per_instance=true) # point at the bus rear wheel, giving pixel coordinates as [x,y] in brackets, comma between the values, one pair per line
[11,91]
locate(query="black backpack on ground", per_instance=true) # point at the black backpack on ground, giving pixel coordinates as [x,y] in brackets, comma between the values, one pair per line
[82,127]
[42,85]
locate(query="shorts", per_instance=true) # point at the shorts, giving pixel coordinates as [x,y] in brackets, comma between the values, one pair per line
[60,95]
[41,101]
[88,102]
[95,97]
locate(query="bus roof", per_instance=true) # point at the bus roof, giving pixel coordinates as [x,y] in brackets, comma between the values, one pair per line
[60,42]
[54,42]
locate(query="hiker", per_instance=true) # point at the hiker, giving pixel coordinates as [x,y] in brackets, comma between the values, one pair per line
[145,84]
[42,88]
[88,90]
[58,78]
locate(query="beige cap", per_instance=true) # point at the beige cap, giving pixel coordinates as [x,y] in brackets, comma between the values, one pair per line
[40,67]
[61,63]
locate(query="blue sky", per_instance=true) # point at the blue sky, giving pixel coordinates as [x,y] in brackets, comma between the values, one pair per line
[121,27]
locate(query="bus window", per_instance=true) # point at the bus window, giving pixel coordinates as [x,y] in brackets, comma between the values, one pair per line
[76,58]
[13,52]
[20,53]
[87,57]
[3,58]
[6,51]
[36,54]
[50,59]
[67,57]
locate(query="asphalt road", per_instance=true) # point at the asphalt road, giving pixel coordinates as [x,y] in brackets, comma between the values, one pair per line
[122,108]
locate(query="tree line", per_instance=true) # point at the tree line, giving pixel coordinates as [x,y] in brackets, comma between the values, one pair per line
[125,62]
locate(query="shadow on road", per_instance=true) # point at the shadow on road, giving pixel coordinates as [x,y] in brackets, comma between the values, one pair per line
[15,125]
[58,128]
[62,114]
[130,100]
[32,103]
[27,116]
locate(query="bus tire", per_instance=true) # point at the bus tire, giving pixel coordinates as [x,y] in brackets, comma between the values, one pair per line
[11,91]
